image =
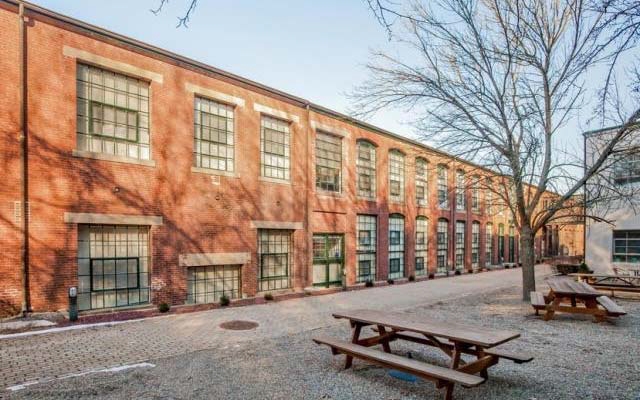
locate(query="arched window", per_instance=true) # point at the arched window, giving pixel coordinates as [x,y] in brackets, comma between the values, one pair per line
[396,246]
[366,248]
[442,245]
[475,194]
[475,245]
[443,186]
[396,176]
[460,244]
[488,245]
[422,245]
[461,199]
[366,169]
[422,194]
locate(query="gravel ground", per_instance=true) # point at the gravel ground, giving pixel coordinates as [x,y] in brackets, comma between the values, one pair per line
[574,359]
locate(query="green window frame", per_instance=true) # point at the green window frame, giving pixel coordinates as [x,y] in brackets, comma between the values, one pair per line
[626,246]
[208,283]
[442,250]
[328,162]
[214,138]
[112,113]
[421,245]
[460,244]
[275,148]
[366,249]
[274,259]
[396,245]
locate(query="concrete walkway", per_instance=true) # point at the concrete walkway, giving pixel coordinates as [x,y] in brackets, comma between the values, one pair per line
[42,357]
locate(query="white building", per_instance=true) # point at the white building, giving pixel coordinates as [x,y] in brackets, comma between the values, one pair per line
[615,243]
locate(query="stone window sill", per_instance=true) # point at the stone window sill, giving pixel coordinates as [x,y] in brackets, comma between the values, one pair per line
[112,158]
[274,180]
[214,172]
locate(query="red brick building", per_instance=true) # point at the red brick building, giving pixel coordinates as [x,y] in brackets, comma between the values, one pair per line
[148,177]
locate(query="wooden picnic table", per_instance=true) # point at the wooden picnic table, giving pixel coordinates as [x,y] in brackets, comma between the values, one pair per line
[451,338]
[623,283]
[582,299]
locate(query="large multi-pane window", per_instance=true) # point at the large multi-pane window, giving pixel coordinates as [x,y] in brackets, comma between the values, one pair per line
[512,244]
[275,152]
[501,243]
[442,250]
[461,199]
[460,244]
[113,266]
[213,135]
[488,245]
[422,193]
[475,194]
[396,175]
[366,169]
[396,246]
[275,258]
[475,245]
[443,187]
[421,245]
[328,162]
[366,248]
[488,202]
[626,246]
[112,113]
[207,284]
[627,168]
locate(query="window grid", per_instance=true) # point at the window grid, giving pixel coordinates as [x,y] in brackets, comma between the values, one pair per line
[422,194]
[475,194]
[460,245]
[475,246]
[501,243]
[275,149]
[461,201]
[396,176]
[442,245]
[422,245]
[443,187]
[366,169]
[627,168]
[512,244]
[207,284]
[112,113]
[626,246]
[275,259]
[396,246]
[488,202]
[328,162]
[488,258]
[113,266]
[366,248]
[213,135]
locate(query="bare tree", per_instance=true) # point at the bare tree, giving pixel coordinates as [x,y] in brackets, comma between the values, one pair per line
[496,81]
[182,21]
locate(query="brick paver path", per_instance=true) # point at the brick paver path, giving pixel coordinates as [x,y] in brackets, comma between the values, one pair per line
[47,356]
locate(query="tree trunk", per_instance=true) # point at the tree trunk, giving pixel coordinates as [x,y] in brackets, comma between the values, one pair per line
[527,258]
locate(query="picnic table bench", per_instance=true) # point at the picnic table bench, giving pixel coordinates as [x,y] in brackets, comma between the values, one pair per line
[453,339]
[622,283]
[581,299]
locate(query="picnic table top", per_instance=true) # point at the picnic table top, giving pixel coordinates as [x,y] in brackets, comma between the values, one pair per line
[568,286]
[469,334]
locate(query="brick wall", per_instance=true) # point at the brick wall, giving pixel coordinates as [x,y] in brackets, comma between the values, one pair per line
[201,214]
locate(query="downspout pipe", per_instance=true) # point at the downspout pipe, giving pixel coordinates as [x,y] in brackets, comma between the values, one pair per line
[24,193]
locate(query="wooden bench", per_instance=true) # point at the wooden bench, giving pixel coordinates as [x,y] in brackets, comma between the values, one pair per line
[443,377]
[537,301]
[612,308]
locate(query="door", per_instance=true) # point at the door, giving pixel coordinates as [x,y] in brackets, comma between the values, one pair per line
[328,259]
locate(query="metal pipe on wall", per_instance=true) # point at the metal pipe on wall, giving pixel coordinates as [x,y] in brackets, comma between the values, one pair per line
[24,201]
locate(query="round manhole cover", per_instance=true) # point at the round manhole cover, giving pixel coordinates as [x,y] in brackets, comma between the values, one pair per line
[239,325]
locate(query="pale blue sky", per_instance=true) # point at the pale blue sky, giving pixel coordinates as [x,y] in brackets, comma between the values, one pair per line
[312,49]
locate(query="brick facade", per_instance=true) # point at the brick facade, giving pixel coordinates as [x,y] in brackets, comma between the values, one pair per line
[201,212]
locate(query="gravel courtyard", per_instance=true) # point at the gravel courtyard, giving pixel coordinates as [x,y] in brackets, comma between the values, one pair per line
[574,358]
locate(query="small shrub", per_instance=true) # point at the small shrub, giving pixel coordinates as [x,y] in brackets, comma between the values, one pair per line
[432,276]
[368,283]
[224,300]
[163,307]
[506,266]
[268,296]
[457,272]
[583,268]
[412,278]
[390,281]
[469,271]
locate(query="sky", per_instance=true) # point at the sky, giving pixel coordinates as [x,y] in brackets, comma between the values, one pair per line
[316,50]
